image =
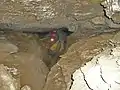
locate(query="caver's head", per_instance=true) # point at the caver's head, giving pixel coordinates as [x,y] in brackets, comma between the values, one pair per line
[59,34]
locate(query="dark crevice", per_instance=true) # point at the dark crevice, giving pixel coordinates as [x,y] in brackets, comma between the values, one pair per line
[103,78]
[71,82]
[85,80]
[117,82]
[117,63]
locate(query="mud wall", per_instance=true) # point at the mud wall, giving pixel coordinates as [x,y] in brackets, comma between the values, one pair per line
[35,15]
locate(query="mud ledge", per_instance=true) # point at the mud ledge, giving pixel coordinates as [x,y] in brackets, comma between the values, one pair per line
[33,27]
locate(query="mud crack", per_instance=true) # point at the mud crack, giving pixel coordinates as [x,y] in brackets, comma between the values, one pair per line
[101,75]
[71,82]
[85,80]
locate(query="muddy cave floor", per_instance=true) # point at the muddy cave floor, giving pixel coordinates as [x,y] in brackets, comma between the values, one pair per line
[26,53]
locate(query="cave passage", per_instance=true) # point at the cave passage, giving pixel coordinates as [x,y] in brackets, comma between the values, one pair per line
[56,47]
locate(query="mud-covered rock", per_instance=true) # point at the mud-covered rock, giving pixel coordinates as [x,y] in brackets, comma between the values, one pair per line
[98,20]
[87,25]
[26,87]
[55,79]
[7,82]
[38,14]
[7,47]
[112,9]
[116,38]
[28,60]
[116,18]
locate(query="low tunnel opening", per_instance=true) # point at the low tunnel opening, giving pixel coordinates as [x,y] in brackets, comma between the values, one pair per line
[50,49]
[27,58]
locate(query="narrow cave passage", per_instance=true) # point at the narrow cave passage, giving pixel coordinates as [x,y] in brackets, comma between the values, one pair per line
[54,43]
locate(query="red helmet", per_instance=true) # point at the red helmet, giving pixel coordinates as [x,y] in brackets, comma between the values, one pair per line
[52,36]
